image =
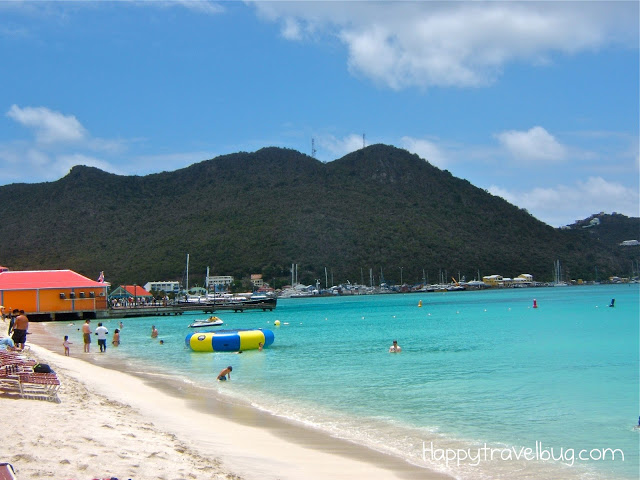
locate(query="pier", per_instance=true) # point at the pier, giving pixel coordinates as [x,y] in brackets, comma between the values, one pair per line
[141,311]
[161,310]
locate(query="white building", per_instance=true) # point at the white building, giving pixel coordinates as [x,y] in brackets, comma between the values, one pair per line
[630,243]
[166,287]
[219,280]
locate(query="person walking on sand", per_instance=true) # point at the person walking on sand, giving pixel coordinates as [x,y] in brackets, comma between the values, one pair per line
[86,336]
[154,331]
[66,344]
[395,348]
[20,329]
[102,332]
[224,373]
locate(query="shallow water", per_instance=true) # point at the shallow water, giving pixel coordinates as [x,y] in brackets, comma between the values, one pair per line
[477,368]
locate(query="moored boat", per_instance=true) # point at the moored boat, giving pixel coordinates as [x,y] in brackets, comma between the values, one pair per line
[210,322]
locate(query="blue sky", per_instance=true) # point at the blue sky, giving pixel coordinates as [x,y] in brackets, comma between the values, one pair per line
[537,102]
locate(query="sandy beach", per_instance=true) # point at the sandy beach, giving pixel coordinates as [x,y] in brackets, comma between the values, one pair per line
[112,424]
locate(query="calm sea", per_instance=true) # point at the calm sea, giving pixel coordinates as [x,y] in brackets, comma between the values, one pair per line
[486,386]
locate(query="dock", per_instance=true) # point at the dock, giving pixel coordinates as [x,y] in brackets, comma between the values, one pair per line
[141,311]
[161,310]
[234,307]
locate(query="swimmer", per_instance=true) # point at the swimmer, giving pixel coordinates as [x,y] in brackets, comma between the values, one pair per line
[395,348]
[226,372]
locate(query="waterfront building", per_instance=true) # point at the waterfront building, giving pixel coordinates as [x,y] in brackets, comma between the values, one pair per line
[130,295]
[166,287]
[53,294]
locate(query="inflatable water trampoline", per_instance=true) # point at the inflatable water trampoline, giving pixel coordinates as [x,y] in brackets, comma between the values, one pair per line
[229,340]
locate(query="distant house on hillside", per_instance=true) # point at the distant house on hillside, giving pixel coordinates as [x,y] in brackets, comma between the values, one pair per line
[630,243]
[256,280]
[593,223]
[53,294]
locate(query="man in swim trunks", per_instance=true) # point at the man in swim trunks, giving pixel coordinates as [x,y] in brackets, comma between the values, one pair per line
[20,330]
[86,335]
[226,372]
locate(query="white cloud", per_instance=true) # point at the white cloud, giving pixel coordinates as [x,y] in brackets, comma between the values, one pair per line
[291,29]
[465,44]
[534,144]
[199,6]
[425,149]
[340,147]
[555,205]
[49,126]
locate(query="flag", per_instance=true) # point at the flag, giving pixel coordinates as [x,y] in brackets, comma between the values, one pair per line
[101,277]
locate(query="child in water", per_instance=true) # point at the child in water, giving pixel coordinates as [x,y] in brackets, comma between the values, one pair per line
[66,344]
[226,372]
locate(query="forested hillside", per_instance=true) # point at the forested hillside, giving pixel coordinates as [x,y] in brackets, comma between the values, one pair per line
[378,208]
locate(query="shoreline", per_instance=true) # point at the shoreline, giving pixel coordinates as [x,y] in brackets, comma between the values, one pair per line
[199,437]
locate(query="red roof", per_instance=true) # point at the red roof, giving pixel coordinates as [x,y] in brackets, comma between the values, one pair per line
[43,279]
[136,290]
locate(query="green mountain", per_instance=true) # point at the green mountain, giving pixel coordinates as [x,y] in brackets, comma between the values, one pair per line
[378,208]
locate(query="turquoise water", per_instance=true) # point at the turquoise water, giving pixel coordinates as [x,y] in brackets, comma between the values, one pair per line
[477,368]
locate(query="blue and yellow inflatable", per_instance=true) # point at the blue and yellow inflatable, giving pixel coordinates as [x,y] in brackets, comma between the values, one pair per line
[229,340]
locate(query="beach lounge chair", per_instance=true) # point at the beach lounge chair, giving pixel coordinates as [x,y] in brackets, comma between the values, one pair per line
[39,386]
[6,472]
[10,384]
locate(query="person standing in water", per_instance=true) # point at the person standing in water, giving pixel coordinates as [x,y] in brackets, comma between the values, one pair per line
[102,333]
[86,336]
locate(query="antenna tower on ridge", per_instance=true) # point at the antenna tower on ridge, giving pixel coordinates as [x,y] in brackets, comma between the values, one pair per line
[313,148]
[363,142]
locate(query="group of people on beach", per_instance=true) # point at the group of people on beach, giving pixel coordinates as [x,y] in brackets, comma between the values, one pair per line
[18,327]
[101,331]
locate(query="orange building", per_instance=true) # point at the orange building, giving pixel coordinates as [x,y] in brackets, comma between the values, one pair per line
[53,294]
